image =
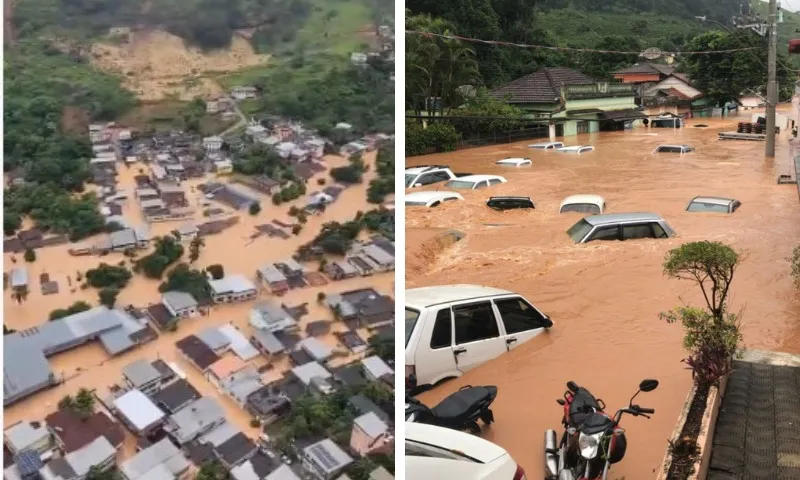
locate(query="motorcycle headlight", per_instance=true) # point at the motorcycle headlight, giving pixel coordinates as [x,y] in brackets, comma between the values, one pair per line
[588,444]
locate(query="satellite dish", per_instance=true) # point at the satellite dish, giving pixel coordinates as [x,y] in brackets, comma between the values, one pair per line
[651,53]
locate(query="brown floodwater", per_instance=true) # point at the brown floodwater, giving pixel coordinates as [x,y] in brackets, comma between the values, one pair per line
[90,367]
[605,297]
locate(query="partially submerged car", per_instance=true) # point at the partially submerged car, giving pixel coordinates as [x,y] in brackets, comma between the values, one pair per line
[680,149]
[514,161]
[474,182]
[591,204]
[422,175]
[713,204]
[509,203]
[576,149]
[546,145]
[430,199]
[620,226]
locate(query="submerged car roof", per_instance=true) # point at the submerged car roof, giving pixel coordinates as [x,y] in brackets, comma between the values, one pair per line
[477,178]
[574,148]
[714,200]
[427,296]
[584,198]
[607,218]
[422,168]
[469,445]
[427,196]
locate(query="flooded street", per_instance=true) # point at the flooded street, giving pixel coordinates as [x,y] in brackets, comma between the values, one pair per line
[90,366]
[605,297]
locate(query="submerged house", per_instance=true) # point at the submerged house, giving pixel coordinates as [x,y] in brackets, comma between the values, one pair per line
[570,102]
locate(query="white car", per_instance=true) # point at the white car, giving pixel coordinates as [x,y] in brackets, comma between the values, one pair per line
[591,204]
[427,175]
[514,162]
[681,149]
[451,329]
[474,182]
[434,453]
[430,199]
[546,145]
[576,149]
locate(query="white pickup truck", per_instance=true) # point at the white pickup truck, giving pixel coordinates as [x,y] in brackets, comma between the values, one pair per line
[422,175]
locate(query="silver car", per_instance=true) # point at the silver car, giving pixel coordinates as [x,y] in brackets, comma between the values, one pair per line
[620,226]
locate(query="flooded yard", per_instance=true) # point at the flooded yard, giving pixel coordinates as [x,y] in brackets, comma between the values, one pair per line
[605,297]
[90,367]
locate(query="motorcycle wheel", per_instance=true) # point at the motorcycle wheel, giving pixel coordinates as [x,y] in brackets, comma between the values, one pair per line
[473,428]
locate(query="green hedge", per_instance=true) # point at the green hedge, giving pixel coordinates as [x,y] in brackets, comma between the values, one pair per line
[440,136]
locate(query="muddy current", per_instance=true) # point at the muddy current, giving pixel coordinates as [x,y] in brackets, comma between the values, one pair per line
[605,297]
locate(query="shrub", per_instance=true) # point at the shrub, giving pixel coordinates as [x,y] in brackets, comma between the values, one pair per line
[30,255]
[438,136]
[254,208]
[216,271]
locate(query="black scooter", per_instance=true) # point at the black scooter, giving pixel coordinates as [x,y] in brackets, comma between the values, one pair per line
[459,411]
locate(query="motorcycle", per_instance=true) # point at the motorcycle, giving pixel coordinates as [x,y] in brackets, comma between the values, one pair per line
[461,410]
[592,440]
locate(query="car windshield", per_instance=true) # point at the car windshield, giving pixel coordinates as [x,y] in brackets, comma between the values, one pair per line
[411,320]
[416,204]
[460,184]
[409,179]
[581,208]
[707,207]
[578,231]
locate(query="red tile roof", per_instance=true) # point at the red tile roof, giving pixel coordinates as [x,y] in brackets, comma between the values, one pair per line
[542,86]
[76,432]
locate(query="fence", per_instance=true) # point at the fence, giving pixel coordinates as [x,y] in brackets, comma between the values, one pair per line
[496,138]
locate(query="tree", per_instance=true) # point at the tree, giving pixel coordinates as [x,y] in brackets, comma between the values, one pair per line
[168,250]
[320,297]
[349,174]
[108,296]
[96,473]
[296,229]
[108,276]
[212,470]
[30,255]
[77,307]
[382,346]
[216,271]
[254,208]
[83,403]
[194,249]
[183,279]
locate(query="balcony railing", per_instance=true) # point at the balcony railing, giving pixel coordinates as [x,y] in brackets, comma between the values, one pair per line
[598,90]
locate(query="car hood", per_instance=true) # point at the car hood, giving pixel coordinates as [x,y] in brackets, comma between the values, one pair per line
[469,445]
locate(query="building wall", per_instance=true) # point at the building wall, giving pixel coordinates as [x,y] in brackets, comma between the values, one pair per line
[638,77]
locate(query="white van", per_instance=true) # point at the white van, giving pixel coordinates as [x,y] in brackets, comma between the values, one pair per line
[451,329]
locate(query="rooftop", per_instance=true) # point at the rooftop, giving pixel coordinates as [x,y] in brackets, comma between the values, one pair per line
[75,432]
[77,464]
[24,434]
[235,449]
[307,372]
[284,472]
[138,409]
[542,86]
[268,341]
[179,300]
[160,460]
[231,284]
[226,366]
[175,395]
[197,351]
[214,338]
[141,372]
[327,455]
[238,342]
[190,421]
[318,350]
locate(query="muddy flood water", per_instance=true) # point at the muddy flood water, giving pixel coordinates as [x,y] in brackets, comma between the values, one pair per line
[90,366]
[605,297]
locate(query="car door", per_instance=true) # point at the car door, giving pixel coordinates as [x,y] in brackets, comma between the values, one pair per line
[494,181]
[521,320]
[481,184]
[608,232]
[426,179]
[434,358]
[477,336]
[635,231]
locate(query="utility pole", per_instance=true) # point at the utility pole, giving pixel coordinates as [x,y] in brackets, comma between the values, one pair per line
[772,87]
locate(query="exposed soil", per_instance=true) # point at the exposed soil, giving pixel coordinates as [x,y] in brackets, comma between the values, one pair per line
[75,120]
[685,449]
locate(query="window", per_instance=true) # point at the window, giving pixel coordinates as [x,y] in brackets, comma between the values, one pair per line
[475,322]
[581,208]
[518,316]
[442,335]
[605,233]
[482,184]
[411,321]
[578,231]
[632,232]
[495,181]
[698,206]
[459,184]
[658,231]
[435,204]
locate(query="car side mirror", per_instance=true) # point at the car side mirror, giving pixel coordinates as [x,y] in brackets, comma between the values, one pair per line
[648,385]
[417,185]
[547,323]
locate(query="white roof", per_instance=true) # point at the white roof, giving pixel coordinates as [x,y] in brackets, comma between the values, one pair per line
[479,178]
[431,196]
[138,409]
[284,472]
[155,460]
[422,168]
[371,424]
[231,284]
[318,350]
[309,371]
[546,144]
[714,200]
[575,148]
[376,366]
[514,161]
[427,296]
[584,198]
[239,343]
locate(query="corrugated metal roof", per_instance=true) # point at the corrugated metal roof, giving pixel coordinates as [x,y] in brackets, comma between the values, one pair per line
[239,343]
[138,409]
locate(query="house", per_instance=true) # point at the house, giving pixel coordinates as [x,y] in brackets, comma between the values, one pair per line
[362,405]
[244,92]
[215,340]
[235,450]
[672,95]
[241,384]
[180,304]
[340,270]
[324,459]
[266,185]
[196,352]
[379,259]
[213,143]
[212,106]
[172,195]
[175,396]
[352,148]
[292,269]
[148,377]
[358,58]
[31,436]
[352,341]
[570,103]
[25,367]
[351,375]
[365,307]
[644,73]
[188,231]
[99,454]
[238,343]
[223,167]
[369,432]
[224,368]
[256,131]
[266,316]
[126,238]
[138,413]
[267,343]
[197,418]
[314,376]
[161,460]
[18,278]
[375,368]
[232,288]
[257,467]
[274,279]
[319,198]
[316,349]
[267,404]
[72,431]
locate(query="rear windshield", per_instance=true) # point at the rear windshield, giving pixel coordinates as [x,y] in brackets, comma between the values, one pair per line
[578,231]
[411,320]
[459,184]
[581,208]
[506,203]
[669,149]
[707,207]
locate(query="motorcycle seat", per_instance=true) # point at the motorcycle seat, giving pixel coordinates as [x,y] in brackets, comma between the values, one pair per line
[581,407]
[463,402]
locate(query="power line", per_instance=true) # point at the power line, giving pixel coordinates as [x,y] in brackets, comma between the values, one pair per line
[568,49]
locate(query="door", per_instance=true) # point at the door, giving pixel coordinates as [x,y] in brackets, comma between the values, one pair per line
[434,359]
[477,335]
[637,230]
[522,321]
[610,232]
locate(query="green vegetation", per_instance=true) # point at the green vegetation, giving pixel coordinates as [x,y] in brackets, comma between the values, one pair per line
[83,403]
[439,136]
[382,346]
[336,238]
[382,186]
[108,276]
[77,307]
[254,209]
[217,271]
[212,470]
[183,278]
[168,250]
[108,296]
[291,192]
[194,249]
[29,255]
[258,159]
[352,173]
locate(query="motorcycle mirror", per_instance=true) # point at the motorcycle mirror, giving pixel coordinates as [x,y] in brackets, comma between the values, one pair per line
[561,401]
[572,386]
[648,385]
